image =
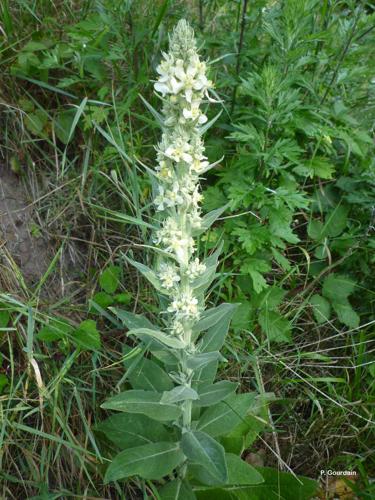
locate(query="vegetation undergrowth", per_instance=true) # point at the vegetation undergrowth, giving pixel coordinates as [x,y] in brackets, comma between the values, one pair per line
[295,81]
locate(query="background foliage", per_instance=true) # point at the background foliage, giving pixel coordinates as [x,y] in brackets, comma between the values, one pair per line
[296,134]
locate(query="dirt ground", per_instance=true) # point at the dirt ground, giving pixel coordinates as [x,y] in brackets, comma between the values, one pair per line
[22,247]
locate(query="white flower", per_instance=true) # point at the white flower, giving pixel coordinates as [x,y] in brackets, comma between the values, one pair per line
[194,113]
[185,306]
[196,268]
[168,276]
[179,152]
[173,196]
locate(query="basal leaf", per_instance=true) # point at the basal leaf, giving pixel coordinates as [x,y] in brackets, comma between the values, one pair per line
[127,430]
[150,461]
[177,490]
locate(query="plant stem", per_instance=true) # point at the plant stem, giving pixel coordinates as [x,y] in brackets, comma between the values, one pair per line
[240,44]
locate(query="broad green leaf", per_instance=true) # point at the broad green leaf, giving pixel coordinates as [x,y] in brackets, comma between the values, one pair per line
[55,330]
[336,220]
[148,375]
[321,308]
[337,287]
[177,490]
[145,402]
[87,335]
[103,299]
[150,461]
[279,485]
[202,449]
[168,340]
[179,393]
[109,279]
[213,393]
[346,314]
[213,493]
[276,327]
[220,419]
[240,472]
[127,430]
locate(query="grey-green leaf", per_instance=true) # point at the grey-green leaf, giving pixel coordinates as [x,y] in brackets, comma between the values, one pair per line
[165,339]
[150,461]
[127,430]
[220,419]
[197,361]
[213,393]
[202,449]
[179,393]
[145,402]
[148,375]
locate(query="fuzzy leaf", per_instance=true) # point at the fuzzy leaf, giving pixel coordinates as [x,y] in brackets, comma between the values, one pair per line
[202,449]
[179,393]
[151,461]
[127,430]
[145,402]
[213,393]
[165,339]
[220,419]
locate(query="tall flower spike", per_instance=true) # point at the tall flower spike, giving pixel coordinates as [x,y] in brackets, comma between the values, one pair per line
[189,340]
[183,85]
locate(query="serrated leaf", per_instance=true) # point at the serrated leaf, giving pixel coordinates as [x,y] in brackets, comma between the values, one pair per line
[202,449]
[109,279]
[145,402]
[276,327]
[87,336]
[321,308]
[55,330]
[151,461]
[346,313]
[337,287]
[127,430]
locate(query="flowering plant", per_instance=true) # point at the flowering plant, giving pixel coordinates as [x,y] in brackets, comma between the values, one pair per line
[175,421]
